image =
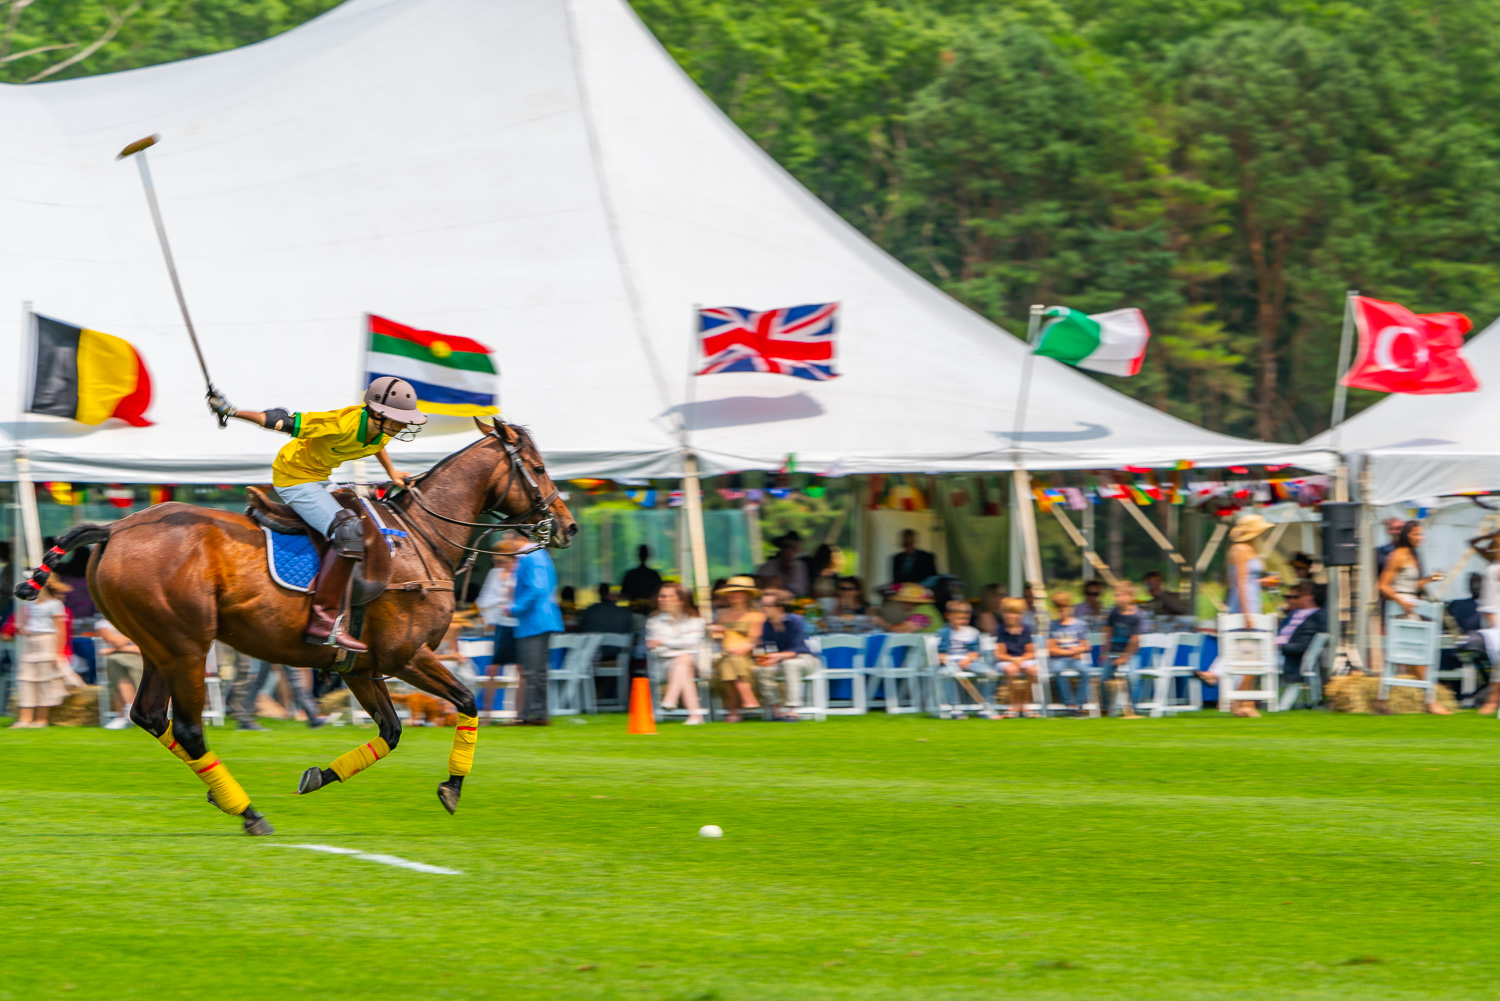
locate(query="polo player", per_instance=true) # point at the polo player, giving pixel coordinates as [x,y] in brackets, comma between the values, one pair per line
[320,443]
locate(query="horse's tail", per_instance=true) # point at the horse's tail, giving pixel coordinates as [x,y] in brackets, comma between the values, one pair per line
[87,534]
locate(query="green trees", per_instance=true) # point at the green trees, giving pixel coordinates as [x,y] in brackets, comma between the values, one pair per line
[1230,166]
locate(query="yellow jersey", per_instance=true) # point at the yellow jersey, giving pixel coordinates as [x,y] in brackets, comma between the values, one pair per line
[323,441]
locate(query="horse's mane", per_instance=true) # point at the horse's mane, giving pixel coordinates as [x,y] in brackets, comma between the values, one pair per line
[521,430]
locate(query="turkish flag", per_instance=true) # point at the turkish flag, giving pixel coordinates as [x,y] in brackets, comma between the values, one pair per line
[1405,352]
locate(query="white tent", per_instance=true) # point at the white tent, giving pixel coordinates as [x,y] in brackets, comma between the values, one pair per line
[538,175]
[1417,447]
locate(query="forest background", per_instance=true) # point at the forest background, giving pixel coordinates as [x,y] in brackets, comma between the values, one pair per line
[1229,166]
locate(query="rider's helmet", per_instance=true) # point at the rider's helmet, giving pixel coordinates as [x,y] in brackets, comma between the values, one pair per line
[395,400]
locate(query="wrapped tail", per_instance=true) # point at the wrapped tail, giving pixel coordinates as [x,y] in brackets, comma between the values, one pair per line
[87,534]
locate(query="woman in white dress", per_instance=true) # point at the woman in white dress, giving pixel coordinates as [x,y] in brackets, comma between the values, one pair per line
[1402,582]
[674,635]
[46,661]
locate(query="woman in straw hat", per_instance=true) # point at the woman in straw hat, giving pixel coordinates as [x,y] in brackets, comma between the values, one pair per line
[738,629]
[1246,575]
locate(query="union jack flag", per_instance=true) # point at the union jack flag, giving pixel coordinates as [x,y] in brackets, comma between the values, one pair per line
[797,340]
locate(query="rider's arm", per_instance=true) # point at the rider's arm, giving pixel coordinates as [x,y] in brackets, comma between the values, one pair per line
[397,477]
[275,419]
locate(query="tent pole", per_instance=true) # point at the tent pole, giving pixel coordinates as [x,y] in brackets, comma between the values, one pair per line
[31,526]
[1030,545]
[1088,535]
[693,503]
[1367,597]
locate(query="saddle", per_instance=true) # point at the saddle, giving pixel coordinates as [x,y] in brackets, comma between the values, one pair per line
[371,575]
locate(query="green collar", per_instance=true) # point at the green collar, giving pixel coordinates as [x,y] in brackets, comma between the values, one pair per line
[364,425]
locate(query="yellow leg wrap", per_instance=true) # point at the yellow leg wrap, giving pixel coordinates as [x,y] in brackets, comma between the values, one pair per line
[229,796]
[170,743]
[461,758]
[353,762]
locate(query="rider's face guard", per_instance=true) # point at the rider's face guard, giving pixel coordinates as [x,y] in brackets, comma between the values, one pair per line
[407,432]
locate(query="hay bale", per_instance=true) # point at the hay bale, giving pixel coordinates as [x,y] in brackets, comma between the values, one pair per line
[1357,693]
[80,707]
[336,701]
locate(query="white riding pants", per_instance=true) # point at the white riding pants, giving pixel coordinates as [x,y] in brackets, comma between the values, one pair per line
[313,502]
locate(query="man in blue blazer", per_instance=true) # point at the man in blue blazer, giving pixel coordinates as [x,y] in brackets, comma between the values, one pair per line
[537,616]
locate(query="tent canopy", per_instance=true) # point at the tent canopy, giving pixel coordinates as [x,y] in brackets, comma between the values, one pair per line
[538,175]
[1430,446]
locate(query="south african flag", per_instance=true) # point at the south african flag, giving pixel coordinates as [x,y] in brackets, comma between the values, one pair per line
[452,375]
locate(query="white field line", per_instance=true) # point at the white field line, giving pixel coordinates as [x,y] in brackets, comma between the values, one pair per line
[394,860]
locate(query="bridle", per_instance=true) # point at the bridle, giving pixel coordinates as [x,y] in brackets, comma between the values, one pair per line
[538,533]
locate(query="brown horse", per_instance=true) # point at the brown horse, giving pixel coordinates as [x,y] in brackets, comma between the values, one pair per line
[175,577]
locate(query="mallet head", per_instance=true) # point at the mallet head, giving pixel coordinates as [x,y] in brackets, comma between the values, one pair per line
[137,146]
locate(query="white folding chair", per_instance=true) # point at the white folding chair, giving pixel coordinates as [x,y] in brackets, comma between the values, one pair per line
[1155,653]
[1171,672]
[571,685]
[1312,676]
[617,669]
[656,673]
[1466,674]
[857,704]
[943,683]
[902,681]
[1247,649]
[496,681]
[1412,642]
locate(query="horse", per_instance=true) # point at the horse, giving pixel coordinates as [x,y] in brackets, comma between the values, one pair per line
[175,577]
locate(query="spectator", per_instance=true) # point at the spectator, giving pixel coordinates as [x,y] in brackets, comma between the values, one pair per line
[1402,582]
[959,653]
[1302,567]
[1015,655]
[987,615]
[537,618]
[1393,527]
[1070,654]
[1465,611]
[640,582]
[607,615]
[494,605]
[914,611]
[787,658]
[46,655]
[674,635]
[1488,549]
[122,669]
[1091,610]
[1163,604]
[250,679]
[912,565]
[1304,620]
[567,604]
[738,630]
[1246,571]
[826,561]
[1124,624]
[787,569]
[74,572]
[851,611]
[7,580]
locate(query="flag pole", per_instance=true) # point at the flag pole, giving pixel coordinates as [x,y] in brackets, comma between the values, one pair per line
[1346,346]
[1022,483]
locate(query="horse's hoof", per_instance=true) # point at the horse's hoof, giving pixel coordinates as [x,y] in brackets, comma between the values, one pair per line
[448,796]
[256,824]
[312,781]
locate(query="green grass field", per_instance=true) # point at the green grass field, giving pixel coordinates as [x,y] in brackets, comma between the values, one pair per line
[1300,856]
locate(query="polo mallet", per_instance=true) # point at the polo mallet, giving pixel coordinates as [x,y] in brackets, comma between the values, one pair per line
[138,149]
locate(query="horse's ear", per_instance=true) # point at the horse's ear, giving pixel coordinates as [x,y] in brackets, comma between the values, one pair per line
[485,429]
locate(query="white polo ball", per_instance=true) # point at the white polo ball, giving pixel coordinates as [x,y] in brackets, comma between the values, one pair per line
[711,831]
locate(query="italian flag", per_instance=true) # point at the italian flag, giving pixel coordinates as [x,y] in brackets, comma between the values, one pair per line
[1113,343]
[452,375]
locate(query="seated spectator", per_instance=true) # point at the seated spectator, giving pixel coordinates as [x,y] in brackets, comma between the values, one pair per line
[1164,604]
[1092,609]
[851,611]
[787,565]
[121,659]
[987,615]
[640,583]
[787,658]
[1304,620]
[914,611]
[1071,656]
[738,629]
[1302,568]
[674,635]
[567,603]
[606,615]
[912,565]
[1465,611]
[1015,655]
[959,654]
[1124,624]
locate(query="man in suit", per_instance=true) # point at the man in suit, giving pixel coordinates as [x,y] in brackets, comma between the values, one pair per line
[641,582]
[1305,619]
[912,565]
[537,616]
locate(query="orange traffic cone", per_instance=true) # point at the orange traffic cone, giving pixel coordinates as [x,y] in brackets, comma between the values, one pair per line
[642,720]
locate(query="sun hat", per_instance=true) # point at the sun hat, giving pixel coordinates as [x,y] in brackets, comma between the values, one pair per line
[1248,526]
[740,583]
[914,593]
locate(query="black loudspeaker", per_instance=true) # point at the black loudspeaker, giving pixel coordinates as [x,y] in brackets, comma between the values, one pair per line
[1340,533]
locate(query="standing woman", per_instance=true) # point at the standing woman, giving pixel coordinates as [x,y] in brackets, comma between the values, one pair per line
[738,632]
[1246,575]
[674,635]
[1402,582]
[46,659]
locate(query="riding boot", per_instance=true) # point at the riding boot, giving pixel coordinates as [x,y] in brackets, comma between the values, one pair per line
[330,603]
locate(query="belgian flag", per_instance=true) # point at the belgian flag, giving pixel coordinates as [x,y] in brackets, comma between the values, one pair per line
[88,376]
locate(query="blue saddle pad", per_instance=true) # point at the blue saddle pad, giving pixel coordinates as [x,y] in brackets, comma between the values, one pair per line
[292,560]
